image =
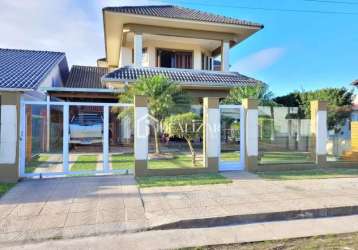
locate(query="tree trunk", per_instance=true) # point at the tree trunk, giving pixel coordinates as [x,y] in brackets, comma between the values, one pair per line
[156,139]
[193,162]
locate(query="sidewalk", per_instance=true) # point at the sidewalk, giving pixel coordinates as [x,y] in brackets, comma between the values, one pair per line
[181,238]
[88,206]
[247,195]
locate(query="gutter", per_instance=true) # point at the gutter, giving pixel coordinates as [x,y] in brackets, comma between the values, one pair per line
[91,90]
[15,90]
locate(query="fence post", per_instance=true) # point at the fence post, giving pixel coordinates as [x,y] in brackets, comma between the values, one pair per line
[211,125]
[141,132]
[251,133]
[319,131]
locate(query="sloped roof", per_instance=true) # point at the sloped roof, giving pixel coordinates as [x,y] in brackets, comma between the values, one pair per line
[85,77]
[176,12]
[185,77]
[355,83]
[25,69]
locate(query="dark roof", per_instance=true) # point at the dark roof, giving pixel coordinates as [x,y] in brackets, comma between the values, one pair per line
[355,83]
[25,69]
[185,77]
[85,77]
[176,12]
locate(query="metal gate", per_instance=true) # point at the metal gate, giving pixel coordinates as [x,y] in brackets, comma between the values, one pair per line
[232,155]
[75,138]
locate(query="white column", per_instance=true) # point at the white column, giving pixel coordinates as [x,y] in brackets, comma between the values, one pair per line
[321,135]
[141,132]
[138,49]
[48,126]
[105,138]
[212,131]
[8,137]
[225,47]
[252,134]
[66,118]
[197,59]
[125,129]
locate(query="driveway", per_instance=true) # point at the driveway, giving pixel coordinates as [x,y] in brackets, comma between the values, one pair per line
[70,207]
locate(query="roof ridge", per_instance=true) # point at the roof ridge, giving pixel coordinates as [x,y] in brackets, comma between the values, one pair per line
[139,6]
[32,50]
[88,66]
[186,14]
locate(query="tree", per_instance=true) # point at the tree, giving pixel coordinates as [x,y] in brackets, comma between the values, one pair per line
[164,97]
[260,92]
[184,126]
[339,103]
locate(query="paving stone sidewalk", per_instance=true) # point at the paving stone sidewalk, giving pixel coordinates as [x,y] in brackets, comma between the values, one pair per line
[70,207]
[248,194]
[86,206]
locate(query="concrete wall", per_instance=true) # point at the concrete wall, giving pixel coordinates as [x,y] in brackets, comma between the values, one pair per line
[9,140]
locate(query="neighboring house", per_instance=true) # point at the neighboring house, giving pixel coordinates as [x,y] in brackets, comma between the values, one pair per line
[23,75]
[179,43]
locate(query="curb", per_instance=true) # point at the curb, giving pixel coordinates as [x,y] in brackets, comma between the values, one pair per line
[259,217]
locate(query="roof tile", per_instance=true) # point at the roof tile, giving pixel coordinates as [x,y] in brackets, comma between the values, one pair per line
[185,77]
[25,69]
[176,12]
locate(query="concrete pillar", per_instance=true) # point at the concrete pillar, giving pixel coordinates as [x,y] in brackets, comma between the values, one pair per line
[141,132]
[225,47]
[9,138]
[126,130]
[211,123]
[138,49]
[251,133]
[319,132]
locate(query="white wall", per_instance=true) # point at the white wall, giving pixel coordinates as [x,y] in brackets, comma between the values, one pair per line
[8,137]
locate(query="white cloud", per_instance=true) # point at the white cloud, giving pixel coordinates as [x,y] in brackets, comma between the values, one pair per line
[258,61]
[71,26]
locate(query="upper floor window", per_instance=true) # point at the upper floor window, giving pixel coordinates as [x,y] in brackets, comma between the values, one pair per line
[174,59]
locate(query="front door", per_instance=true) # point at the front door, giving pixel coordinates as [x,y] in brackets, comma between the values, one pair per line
[232,138]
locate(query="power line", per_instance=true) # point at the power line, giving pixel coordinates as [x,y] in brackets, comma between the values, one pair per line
[269,9]
[333,1]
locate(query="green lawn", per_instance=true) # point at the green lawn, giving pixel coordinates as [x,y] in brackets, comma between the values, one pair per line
[230,156]
[4,187]
[180,160]
[85,163]
[182,180]
[285,157]
[122,161]
[339,241]
[35,162]
[320,173]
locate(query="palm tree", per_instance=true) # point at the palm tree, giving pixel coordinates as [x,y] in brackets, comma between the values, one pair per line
[260,92]
[164,97]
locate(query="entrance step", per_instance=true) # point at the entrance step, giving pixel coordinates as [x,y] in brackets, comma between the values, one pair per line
[259,217]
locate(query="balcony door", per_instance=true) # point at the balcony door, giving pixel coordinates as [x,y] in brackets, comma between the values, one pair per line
[174,59]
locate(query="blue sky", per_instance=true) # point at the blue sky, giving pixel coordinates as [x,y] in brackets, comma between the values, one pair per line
[293,51]
[296,50]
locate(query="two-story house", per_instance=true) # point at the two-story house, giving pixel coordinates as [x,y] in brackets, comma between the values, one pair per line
[180,43]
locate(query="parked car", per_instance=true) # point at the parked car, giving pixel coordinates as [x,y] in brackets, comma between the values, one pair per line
[86,128]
